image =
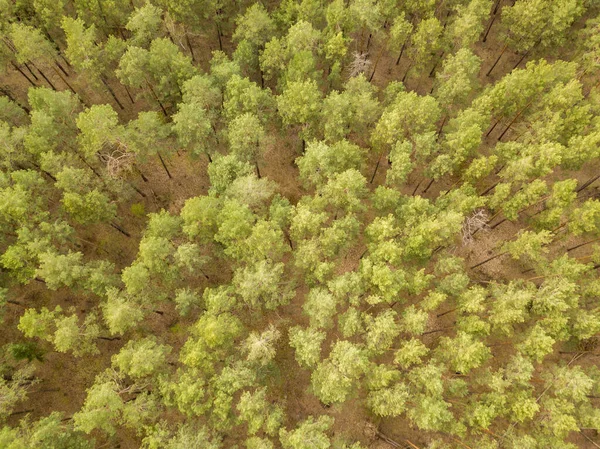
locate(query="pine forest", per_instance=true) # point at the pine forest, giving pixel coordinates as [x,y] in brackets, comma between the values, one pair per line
[300,224]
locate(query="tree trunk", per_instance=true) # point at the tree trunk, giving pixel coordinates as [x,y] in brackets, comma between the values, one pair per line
[45,77]
[120,229]
[112,93]
[439,315]
[157,99]
[187,39]
[406,74]
[400,55]
[164,165]
[429,185]
[128,94]
[21,412]
[140,173]
[489,259]
[31,71]
[10,96]
[487,31]
[214,128]
[499,223]
[442,126]
[257,170]
[98,2]
[514,119]
[289,240]
[582,244]
[377,60]
[436,64]
[142,194]
[586,184]
[492,128]
[489,189]
[376,168]
[44,171]
[219,36]
[417,187]
[61,67]
[23,73]
[496,6]
[66,61]
[87,164]
[64,81]
[497,60]
[521,60]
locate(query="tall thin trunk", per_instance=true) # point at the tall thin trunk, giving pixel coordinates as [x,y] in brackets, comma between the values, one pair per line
[436,64]
[489,259]
[369,41]
[137,169]
[497,60]
[66,61]
[514,119]
[582,244]
[417,187]
[492,128]
[87,164]
[377,60]
[257,169]
[187,38]
[376,168]
[142,194]
[429,185]
[128,94]
[219,36]
[120,229]
[23,73]
[586,184]
[170,36]
[499,223]
[289,240]
[487,31]
[112,93]
[31,71]
[62,69]
[212,125]
[406,74]
[439,133]
[64,81]
[401,51]
[10,96]
[38,167]
[489,189]
[164,165]
[157,99]
[45,77]
[521,60]
[496,6]
[99,3]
